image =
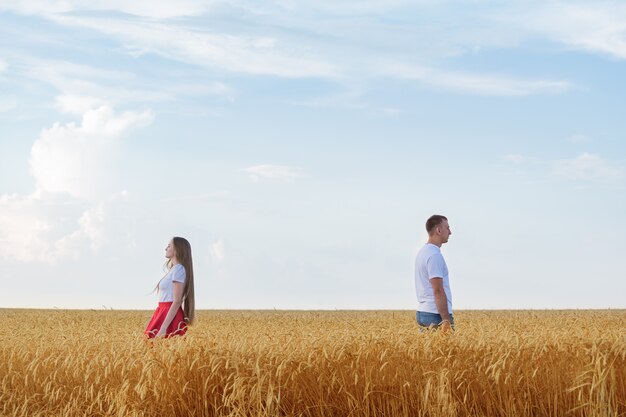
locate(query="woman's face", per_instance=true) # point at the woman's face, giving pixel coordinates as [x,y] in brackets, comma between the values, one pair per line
[170,252]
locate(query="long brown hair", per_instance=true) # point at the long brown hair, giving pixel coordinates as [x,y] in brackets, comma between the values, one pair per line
[183,255]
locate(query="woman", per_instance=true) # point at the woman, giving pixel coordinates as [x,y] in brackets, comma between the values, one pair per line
[176,307]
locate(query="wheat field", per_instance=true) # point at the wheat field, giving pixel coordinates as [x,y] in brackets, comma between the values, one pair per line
[313,363]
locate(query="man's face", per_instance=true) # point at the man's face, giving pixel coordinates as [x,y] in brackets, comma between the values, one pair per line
[444,231]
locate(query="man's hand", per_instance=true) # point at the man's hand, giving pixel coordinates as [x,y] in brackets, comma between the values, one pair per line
[445,326]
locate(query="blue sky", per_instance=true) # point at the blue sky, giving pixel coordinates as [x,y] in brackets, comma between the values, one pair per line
[300,147]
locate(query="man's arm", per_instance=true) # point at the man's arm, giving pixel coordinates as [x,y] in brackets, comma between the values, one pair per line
[441,301]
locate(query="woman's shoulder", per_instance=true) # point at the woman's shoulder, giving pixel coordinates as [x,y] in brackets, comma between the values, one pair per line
[178,273]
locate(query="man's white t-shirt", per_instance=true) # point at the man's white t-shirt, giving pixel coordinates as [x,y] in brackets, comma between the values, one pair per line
[429,263]
[166,286]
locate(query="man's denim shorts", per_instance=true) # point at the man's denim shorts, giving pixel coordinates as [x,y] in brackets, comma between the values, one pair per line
[431,319]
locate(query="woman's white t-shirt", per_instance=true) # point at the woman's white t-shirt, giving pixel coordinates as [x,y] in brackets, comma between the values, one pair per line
[166,286]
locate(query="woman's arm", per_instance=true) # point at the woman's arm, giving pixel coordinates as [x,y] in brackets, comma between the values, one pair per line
[178,289]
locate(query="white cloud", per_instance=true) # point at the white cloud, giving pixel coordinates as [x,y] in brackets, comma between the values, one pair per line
[484,84]
[587,167]
[292,55]
[24,228]
[73,207]
[7,104]
[44,227]
[97,226]
[146,8]
[281,172]
[237,53]
[74,104]
[282,57]
[206,88]
[350,8]
[83,87]
[3,66]
[216,250]
[62,73]
[215,197]
[75,158]
[497,85]
[591,26]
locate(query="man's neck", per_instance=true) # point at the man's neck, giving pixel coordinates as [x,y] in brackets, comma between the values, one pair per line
[434,242]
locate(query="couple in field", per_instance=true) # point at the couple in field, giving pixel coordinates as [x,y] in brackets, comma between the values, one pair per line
[176,307]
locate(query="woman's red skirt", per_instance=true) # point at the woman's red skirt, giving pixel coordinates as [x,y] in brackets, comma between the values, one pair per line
[177,327]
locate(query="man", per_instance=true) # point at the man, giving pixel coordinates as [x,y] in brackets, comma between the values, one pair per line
[431,278]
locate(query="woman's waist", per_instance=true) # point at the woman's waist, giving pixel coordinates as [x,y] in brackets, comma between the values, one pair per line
[165,303]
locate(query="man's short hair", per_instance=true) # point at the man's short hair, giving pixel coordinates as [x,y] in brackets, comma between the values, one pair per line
[434,221]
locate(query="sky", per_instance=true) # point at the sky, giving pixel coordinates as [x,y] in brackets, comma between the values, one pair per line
[300,147]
